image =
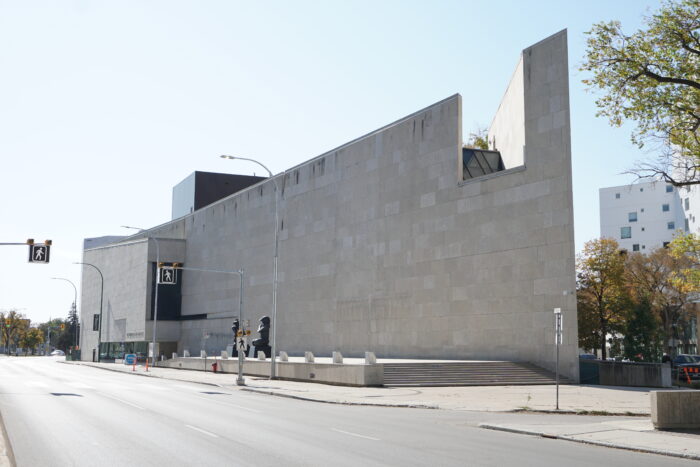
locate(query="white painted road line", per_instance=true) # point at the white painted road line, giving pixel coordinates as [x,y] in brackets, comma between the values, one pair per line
[355,434]
[202,431]
[122,401]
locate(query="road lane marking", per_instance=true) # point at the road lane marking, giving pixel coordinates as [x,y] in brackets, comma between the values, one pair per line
[226,403]
[202,431]
[355,434]
[123,401]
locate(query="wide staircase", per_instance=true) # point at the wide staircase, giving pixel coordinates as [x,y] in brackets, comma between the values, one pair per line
[479,373]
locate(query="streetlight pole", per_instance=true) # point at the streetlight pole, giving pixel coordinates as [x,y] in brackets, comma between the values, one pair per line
[155,301]
[273,370]
[75,308]
[102,290]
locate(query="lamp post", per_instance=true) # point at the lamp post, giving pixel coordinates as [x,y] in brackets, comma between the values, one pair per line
[273,370]
[102,290]
[75,308]
[155,301]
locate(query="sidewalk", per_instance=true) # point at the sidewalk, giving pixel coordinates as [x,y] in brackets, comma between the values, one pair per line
[635,434]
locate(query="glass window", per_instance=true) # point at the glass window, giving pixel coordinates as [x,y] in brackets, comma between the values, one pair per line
[669,188]
[617,195]
[626,232]
[632,216]
[635,247]
[665,208]
[643,229]
[95,322]
[687,204]
[687,227]
[671,225]
[641,189]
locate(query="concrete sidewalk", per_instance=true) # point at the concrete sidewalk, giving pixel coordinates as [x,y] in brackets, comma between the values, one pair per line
[636,434]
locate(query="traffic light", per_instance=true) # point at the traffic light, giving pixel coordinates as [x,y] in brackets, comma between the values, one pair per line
[63,326]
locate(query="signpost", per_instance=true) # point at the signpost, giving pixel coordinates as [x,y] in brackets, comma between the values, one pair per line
[557,341]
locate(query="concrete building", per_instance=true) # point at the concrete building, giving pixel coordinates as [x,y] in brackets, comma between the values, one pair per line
[401,242]
[645,216]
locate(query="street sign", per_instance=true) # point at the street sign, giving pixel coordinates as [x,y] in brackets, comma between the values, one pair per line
[39,253]
[167,275]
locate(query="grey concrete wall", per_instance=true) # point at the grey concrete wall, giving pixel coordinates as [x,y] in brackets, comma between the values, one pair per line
[634,374]
[675,410]
[384,248]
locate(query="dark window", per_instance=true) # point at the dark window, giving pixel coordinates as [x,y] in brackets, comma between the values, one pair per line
[635,247]
[632,216]
[665,208]
[669,188]
[617,195]
[687,204]
[671,225]
[643,229]
[95,322]
[641,189]
[625,232]
[478,162]
[666,244]
[686,225]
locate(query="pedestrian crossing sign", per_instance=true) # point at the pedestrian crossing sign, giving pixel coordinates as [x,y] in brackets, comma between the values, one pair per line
[167,275]
[39,253]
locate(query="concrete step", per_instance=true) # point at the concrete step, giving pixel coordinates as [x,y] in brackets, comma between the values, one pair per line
[467,374]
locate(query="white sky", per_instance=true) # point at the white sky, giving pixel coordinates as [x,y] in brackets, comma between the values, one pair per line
[105,106]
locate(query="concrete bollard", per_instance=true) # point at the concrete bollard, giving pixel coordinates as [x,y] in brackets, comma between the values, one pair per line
[284,357]
[337,357]
[370,358]
[261,355]
[308,357]
[186,354]
[224,355]
[174,354]
[675,410]
[202,354]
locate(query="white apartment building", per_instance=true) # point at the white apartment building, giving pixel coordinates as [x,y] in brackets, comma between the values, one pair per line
[645,216]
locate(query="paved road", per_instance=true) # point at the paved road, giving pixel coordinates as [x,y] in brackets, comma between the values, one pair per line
[69,415]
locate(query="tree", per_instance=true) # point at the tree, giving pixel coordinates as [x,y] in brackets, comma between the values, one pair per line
[32,339]
[688,248]
[652,77]
[478,139]
[641,340]
[653,279]
[13,324]
[601,287]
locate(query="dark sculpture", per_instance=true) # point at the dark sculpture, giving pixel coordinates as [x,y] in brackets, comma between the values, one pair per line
[235,328]
[262,343]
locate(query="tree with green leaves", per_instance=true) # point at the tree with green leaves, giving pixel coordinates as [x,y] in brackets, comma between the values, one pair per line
[601,289]
[13,325]
[31,339]
[642,341]
[687,247]
[652,77]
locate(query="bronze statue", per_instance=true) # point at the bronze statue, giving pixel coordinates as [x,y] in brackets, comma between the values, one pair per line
[262,343]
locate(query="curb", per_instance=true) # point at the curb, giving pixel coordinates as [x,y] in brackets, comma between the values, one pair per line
[7,457]
[323,401]
[133,373]
[582,441]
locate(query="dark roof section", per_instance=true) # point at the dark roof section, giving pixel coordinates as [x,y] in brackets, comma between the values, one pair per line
[479,162]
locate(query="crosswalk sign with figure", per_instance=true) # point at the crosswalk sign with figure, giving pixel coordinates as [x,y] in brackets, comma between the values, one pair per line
[39,253]
[166,275]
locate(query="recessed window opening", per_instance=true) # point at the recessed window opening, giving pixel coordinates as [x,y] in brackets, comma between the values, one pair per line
[617,195]
[480,162]
[665,208]
[669,188]
[632,216]
[671,225]
[625,232]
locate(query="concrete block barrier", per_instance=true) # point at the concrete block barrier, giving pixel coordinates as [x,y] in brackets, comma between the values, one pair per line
[309,357]
[337,357]
[675,409]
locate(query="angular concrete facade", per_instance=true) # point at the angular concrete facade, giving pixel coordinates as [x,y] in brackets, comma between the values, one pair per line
[384,248]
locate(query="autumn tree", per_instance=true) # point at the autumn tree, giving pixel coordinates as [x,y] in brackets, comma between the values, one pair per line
[601,291]
[652,77]
[687,247]
[31,339]
[13,325]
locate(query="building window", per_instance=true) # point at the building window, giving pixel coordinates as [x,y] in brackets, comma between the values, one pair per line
[669,188]
[632,216]
[644,247]
[642,209]
[666,244]
[625,232]
[641,189]
[687,227]
[617,195]
[642,229]
[95,322]
[671,225]
[665,208]
[635,247]
[687,204]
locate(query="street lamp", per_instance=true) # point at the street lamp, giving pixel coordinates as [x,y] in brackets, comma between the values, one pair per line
[102,290]
[273,372]
[155,301]
[75,308]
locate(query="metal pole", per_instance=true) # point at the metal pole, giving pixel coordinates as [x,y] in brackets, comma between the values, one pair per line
[557,373]
[239,379]
[102,289]
[155,306]
[75,308]
[273,369]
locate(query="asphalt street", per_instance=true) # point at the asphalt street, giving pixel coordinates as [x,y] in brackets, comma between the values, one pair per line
[70,415]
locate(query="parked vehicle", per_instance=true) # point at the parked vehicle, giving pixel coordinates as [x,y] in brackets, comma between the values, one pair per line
[686,366]
[58,353]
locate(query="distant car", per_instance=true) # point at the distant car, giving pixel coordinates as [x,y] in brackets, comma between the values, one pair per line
[587,356]
[58,353]
[687,362]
